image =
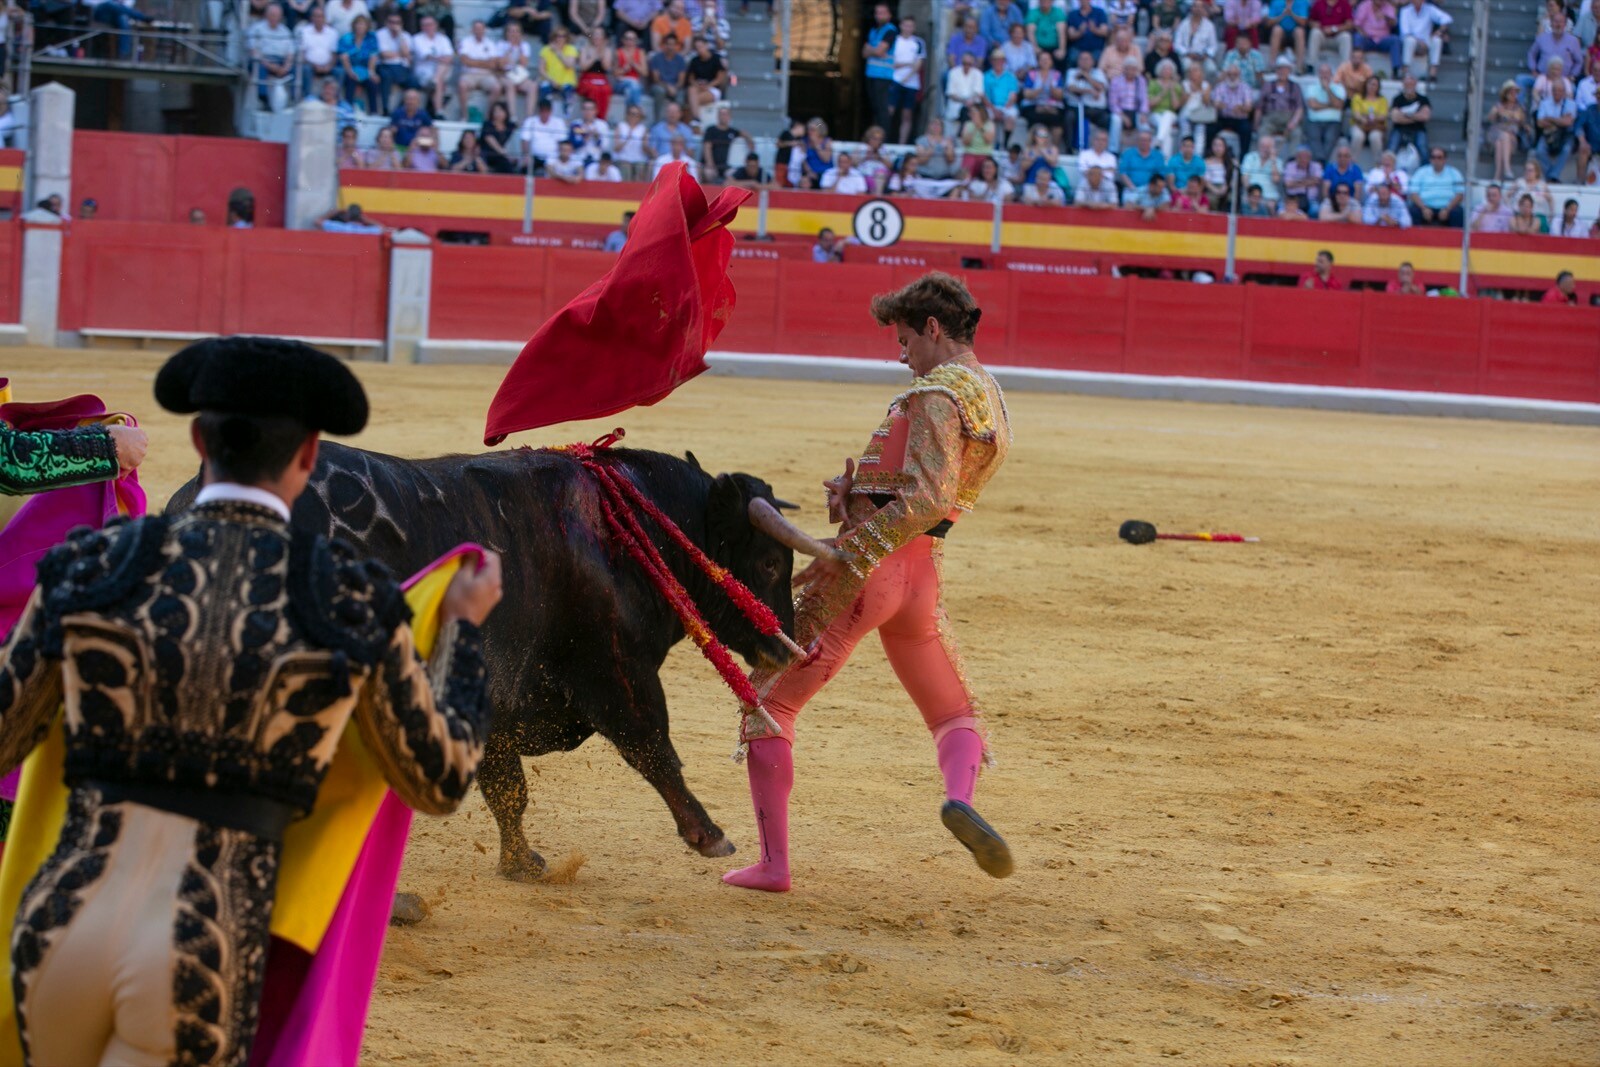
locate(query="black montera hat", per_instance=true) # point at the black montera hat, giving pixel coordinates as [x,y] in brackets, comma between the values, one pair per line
[264,376]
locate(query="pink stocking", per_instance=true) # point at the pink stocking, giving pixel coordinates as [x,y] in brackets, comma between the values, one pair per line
[960,753]
[771,764]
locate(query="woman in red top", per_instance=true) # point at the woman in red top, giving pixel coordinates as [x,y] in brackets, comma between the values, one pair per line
[629,67]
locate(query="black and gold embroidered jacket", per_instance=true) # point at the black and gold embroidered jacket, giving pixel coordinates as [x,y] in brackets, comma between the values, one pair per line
[217,650]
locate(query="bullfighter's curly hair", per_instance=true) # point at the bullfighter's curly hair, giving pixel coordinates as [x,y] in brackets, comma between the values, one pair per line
[935,295]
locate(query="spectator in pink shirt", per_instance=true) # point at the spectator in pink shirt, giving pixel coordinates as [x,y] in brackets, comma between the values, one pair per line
[1242,16]
[1375,22]
[1491,216]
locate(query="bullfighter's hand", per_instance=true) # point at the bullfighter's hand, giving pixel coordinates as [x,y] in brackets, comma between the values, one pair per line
[839,491]
[131,444]
[822,569]
[474,593]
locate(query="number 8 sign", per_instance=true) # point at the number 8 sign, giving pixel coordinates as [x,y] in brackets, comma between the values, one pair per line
[878,224]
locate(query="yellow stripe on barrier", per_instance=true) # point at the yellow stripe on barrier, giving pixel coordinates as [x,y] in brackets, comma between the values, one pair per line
[11,179]
[1113,239]
[1294,252]
[437,203]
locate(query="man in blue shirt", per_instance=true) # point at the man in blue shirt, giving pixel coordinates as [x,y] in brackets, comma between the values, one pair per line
[670,126]
[1436,193]
[1554,119]
[1342,170]
[1150,197]
[1087,31]
[616,239]
[875,49]
[969,40]
[409,118]
[1140,162]
[997,20]
[1002,89]
[1185,165]
[1287,20]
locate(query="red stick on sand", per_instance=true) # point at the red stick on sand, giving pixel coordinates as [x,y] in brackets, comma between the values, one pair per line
[1136,532]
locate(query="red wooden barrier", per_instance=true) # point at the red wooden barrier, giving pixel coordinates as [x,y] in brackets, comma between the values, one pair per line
[1541,351]
[10,271]
[1428,345]
[139,177]
[1094,323]
[1212,332]
[192,279]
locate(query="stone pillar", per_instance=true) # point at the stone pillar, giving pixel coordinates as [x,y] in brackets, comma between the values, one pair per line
[50,144]
[41,276]
[410,289]
[312,182]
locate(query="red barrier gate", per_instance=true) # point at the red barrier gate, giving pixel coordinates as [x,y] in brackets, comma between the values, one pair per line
[211,280]
[140,177]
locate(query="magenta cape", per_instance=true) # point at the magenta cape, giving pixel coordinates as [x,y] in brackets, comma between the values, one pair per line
[45,519]
[314,1005]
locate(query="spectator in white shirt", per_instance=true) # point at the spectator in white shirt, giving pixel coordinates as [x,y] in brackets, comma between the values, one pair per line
[317,41]
[432,56]
[677,152]
[566,167]
[343,13]
[602,170]
[394,59]
[516,70]
[631,138]
[1021,56]
[842,177]
[1044,192]
[1096,156]
[591,133]
[963,88]
[541,133]
[480,69]
[909,55]
[272,48]
[1423,26]
[1196,39]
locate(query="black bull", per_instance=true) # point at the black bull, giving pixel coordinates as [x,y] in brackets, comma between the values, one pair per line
[576,644]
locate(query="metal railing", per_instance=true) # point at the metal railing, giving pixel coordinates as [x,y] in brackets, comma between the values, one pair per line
[190,38]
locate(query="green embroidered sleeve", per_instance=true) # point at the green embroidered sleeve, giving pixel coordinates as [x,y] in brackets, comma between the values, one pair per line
[34,462]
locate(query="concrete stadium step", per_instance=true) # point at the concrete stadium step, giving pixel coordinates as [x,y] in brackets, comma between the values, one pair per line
[469,11]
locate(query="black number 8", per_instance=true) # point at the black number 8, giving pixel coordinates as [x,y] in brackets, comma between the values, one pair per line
[878,224]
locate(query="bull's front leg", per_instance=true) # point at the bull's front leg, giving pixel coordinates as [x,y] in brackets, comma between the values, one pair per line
[640,734]
[505,790]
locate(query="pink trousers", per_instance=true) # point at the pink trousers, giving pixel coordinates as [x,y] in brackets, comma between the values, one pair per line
[901,600]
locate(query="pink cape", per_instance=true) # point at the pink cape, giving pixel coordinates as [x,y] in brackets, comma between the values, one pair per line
[314,1006]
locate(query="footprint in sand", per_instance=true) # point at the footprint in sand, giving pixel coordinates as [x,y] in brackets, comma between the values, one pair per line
[1223,932]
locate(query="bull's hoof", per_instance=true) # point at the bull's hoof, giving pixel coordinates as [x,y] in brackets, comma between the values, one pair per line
[525,867]
[408,909]
[716,849]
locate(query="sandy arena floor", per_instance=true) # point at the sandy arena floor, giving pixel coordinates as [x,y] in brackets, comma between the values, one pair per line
[1330,799]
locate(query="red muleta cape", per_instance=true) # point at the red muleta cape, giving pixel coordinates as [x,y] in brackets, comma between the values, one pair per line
[643,329]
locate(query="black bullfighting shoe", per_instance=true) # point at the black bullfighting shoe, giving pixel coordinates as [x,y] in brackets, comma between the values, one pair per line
[986,846]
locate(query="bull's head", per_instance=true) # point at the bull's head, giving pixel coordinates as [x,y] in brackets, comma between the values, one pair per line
[748,535]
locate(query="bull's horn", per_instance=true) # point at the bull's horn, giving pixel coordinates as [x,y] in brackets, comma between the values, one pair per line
[766,518]
[784,505]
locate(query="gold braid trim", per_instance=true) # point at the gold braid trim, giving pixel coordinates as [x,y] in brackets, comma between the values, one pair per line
[966,388]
